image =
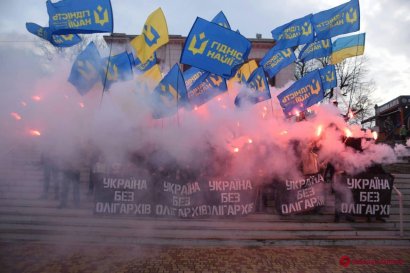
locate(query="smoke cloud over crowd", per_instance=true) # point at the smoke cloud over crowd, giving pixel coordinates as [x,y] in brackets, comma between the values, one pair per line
[47,112]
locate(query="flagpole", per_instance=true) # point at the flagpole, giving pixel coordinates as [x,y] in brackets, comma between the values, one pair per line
[354,74]
[106,72]
[179,71]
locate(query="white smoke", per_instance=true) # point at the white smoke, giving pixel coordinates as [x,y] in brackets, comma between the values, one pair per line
[256,141]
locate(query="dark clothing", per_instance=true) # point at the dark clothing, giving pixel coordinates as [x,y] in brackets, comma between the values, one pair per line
[70,177]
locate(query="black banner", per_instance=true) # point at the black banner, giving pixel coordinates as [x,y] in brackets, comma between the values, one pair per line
[138,195]
[123,194]
[368,193]
[300,196]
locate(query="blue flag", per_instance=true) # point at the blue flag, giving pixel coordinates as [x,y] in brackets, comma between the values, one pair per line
[85,71]
[116,68]
[215,49]
[169,95]
[221,20]
[275,60]
[202,86]
[56,40]
[295,33]
[338,20]
[136,62]
[80,16]
[257,91]
[194,74]
[328,75]
[302,94]
[317,49]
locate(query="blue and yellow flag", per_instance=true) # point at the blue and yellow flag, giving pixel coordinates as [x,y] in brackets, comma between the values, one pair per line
[215,49]
[116,68]
[302,94]
[192,75]
[297,32]
[80,16]
[257,91]
[147,81]
[154,35]
[86,68]
[140,66]
[202,86]
[243,73]
[275,60]
[329,77]
[169,95]
[56,40]
[221,20]
[347,47]
[338,20]
[317,49]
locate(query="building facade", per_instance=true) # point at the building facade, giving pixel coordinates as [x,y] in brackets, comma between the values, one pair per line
[170,53]
[390,116]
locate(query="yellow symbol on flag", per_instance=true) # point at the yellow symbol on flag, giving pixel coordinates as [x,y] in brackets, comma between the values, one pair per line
[225,25]
[97,14]
[169,89]
[351,16]
[216,80]
[67,37]
[114,75]
[154,35]
[201,48]
[306,29]
[258,84]
[315,88]
[87,70]
[330,76]
[245,71]
[287,52]
[150,79]
[326,43]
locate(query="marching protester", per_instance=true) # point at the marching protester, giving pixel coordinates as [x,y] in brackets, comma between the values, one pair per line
[51,174]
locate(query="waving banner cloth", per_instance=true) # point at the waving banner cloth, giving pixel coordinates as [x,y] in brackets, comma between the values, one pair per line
[215,49]
[347,47]
[140,66]
[245,71]
[153,36]
[302,94]
[295,33]
[317,49]
[86,69]
[169,95]
[275,60]
[117,69]
[221,20]
[56,40]
[329,77]
[202,86]
[338,20]
[257,91]
[80,16]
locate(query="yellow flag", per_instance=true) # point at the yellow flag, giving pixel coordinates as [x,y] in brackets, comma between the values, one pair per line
[243,73]
[153,36]
[150,79]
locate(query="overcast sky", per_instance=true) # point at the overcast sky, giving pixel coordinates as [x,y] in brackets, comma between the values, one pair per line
[386,23]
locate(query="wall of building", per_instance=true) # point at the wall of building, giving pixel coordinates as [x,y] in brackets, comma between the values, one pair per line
[170,54]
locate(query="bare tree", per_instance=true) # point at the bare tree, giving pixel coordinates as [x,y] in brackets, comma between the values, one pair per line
[355,87]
